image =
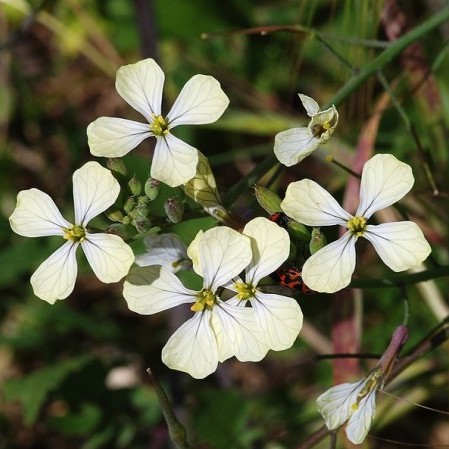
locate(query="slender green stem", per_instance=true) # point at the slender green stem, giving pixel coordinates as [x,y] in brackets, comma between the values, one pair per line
[176,430]
[401,279]
[250,179]
[387,56]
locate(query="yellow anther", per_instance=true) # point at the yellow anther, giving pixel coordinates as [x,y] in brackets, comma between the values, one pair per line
[357,225]
[326,125]
[159,127]
[204,299]
[245,291]
[75,233]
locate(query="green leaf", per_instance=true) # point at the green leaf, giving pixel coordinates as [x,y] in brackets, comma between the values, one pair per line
[33,390]
[78,423]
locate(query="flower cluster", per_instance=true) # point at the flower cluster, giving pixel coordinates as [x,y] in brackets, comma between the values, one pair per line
[233,314]
[221,329]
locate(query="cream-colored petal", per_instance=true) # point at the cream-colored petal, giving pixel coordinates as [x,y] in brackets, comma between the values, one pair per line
[360,421]
[174,161]
[193,251]
[294,145]
[335,404]
[400,245]
[310,105]
[167,250]
[36,215]
[270,247]
[94,190]
[200,101]
[193,348]
[385,180]
[115,137]
[149,290]
[140,85]
[237,333]
[55,277]
[279,317]
[330,269]
[308,203]
[109,256]
[224,253]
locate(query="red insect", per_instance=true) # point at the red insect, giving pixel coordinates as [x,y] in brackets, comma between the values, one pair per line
[280,218]
[290,276]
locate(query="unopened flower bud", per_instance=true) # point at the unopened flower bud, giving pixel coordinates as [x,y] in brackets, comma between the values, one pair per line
[115,215]
[298,230]
[129,204]
[135,186]
[142,208]
[151,188]
[174,209]
[116,165]
[142,224]
[267,199]
[317,241]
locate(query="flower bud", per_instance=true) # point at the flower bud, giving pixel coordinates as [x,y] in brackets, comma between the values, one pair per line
[115,214]
[317,241]
[267,199]
[142,224]
[116,165]
[129,204]
[135,186]
[151,188]
[142,208]
[298,230]
[174,209]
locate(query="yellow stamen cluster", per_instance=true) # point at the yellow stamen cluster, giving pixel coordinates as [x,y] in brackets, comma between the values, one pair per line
[373,382]
[204,299]
[321,128]
[245,291]
[75,233]
[357,225]
[159,127]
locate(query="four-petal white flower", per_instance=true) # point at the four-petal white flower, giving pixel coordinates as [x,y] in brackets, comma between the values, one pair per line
[293,145]
[218,330]
[352,402]
[36,215]
[279,317]
[400,245]
[200,101]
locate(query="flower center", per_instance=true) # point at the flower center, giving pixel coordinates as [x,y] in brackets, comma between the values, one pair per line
[75,233]
[245,291]
[357,225]
[373,382]
[159,127]
[205,299]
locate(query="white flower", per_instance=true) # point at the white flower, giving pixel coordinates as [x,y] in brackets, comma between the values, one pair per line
[218,330]
[352,402]
[200,101]
[279,317]
[293,145]
[400,245]
[36,215]
[167,250]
